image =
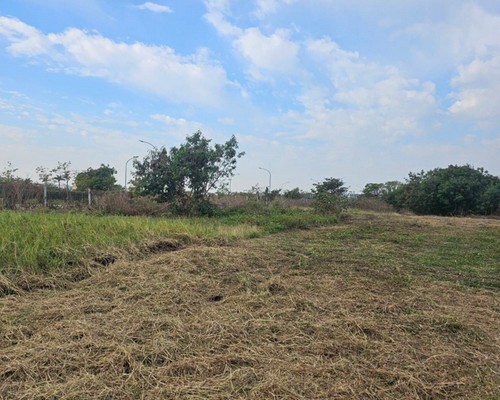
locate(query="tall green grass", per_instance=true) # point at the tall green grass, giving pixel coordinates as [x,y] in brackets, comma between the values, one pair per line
[38,242]
[42,242]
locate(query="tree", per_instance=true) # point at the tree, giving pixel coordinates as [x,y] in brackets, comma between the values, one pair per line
[373,190]
[294,193]
[44,174]
[455,190]
[330,196]
[381,190]
[14,190]
[101,178]
[9,173]
[331,186]
[185,175]
[62,173]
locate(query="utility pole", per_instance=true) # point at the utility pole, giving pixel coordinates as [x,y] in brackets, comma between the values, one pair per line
[152,145]
[269,172]
[130,159]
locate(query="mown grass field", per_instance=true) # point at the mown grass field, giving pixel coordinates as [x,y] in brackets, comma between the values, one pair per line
[377,306]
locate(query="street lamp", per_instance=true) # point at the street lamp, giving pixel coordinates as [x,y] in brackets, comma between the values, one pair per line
[130,159]
[230,180]
[269,172]
[152,145]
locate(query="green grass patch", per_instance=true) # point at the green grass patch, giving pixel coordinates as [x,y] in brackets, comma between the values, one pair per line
[37,242]
[399,249]
[274,219]
[42,242]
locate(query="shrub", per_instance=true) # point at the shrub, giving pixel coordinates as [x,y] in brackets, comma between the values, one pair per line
[330,196]
[455,190]
[328,203]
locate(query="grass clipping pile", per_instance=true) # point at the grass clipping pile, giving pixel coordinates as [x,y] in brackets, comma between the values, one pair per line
[253,320]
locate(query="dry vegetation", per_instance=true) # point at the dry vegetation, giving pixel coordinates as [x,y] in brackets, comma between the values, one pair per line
[378,307]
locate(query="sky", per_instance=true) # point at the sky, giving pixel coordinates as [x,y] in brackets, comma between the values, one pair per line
[362,90]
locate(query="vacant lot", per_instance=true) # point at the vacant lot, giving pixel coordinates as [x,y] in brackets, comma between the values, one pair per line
[380,306]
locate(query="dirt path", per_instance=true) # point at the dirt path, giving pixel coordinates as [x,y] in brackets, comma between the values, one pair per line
[261,319]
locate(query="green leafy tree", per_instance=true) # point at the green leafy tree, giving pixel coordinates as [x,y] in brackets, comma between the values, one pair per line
[330,196]
[101,178]
[294,193]
[331,186]
[185,175]
[389,192]
[373,190]
[455,190]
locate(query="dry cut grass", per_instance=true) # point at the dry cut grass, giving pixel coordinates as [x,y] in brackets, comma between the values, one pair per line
[289,316]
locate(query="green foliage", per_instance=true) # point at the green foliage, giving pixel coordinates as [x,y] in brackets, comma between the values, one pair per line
[101,178]
[332,186]
[380,190]
[273,194]
[330,196]
[184,176]
[373,190]
[295,193]
[43,242]
[455,190]
[327,203]
[61,173]
[275,219]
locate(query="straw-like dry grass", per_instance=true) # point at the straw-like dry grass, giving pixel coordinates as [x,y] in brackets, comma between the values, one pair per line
[354,311]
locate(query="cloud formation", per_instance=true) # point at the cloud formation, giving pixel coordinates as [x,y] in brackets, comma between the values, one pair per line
[358,89]
[154,7]
[193,79]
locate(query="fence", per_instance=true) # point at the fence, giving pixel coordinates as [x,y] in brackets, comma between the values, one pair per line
[18,195]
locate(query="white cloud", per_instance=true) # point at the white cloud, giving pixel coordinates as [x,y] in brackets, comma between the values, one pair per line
[266,7]
[167,119]
[24,39]
[154,7]
[275,53]
[466,41]
[364,97]
[216,16]
[266,55]
[192,79]
[178,127]
[477,86]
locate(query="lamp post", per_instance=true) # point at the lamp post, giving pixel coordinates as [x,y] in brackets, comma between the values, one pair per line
[230,180]
[269,172]
[152,145]
[130,159]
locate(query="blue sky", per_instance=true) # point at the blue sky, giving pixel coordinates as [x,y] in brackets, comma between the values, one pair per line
[363,90]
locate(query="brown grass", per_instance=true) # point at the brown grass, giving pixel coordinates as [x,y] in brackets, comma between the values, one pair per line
[259,319]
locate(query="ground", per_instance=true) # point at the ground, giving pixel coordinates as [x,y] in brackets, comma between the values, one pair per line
[380,306]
